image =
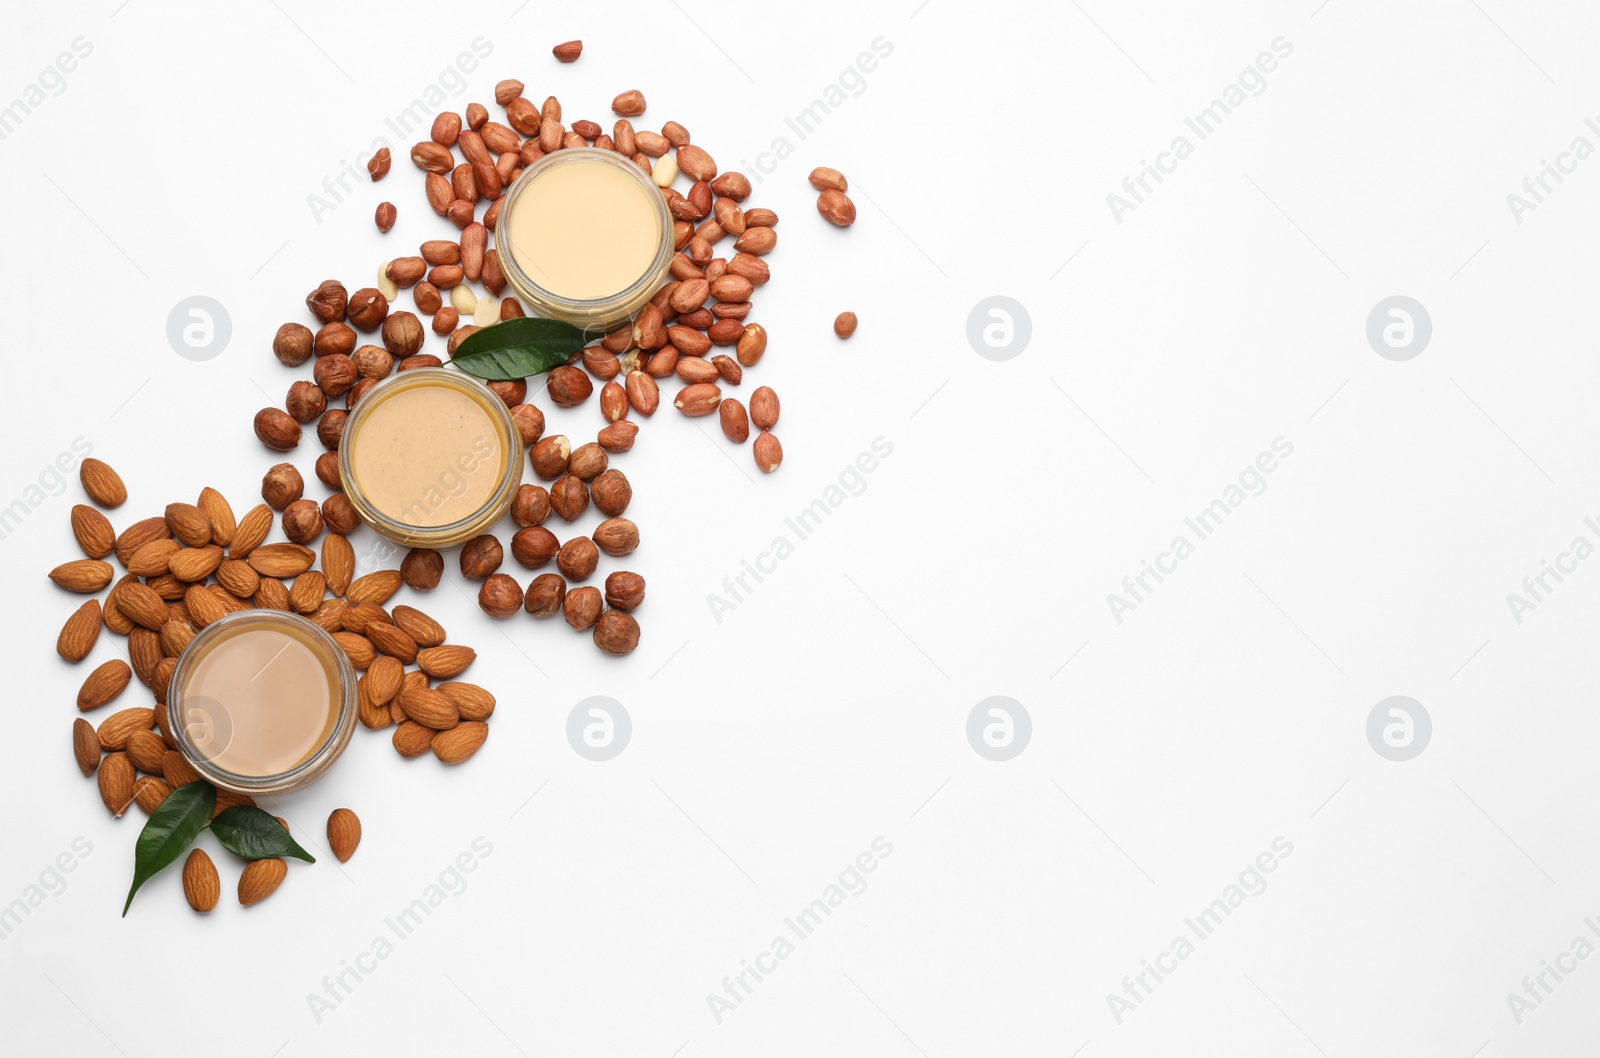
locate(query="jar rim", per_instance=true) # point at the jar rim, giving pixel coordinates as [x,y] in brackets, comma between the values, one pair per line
[582,311]
[320,759]
[433,535]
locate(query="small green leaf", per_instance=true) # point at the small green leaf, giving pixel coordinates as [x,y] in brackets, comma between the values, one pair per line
[172,827]
[247,831]
[516,348]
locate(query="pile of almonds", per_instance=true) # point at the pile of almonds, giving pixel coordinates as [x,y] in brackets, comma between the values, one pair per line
[703,308]
[195,563]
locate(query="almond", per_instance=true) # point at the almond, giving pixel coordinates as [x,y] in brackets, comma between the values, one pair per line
[142,605]
[82,575]
[203,606]
[419,626]
[116,783]
[252,531]
[238,578]
[144,651]
[149,792]
[344,833]
[189,523]
[79,634]
[330,615]
[114,730]
[260,879]
[93,531]
[103,484]
[357,648]
[383,679]
[282,560]
[176,769]
[388,639]
[429,708]
[175,636]
[227,799]
[154,558]
[195,563]
[305,594]
[216,507]
[103,684]
[145,750]
[201,886]
[449,661]
[85,746]
[472,701]
[412,739]
[375,587]
[139,534]
[460,742]
[357,616]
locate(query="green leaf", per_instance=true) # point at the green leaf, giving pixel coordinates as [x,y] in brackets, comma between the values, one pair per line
[172,827]
[247,831]
[516,348]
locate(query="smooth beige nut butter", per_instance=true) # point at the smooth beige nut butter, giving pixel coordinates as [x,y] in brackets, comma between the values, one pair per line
[259,699]
[584,231]
[427,455]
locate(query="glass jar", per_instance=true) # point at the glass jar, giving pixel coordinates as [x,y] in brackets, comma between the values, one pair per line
[602,312]
[415,479]
[245,704]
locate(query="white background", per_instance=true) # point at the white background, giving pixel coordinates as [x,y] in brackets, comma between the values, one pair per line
[829,708]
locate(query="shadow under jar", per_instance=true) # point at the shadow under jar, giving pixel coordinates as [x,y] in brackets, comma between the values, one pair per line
[430,458]
[262,702]
[585,236]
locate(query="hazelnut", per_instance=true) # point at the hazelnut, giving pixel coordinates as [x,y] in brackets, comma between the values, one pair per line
[480,557]
[530,506]
[459,335]
[617,536]
[549,456]
[306,401]
[422,568]
[582,607]
[281,486]
[336,374]
[530,422]
[340,514]
[411,363]
[328,470]
[569,386]
[335,337]
[611,492]
[513,393]
[302,521]
[569,497]
[331,427]
[500,596]
[327,302]
[616,632]
[534,546]
[357,391]
[587,461]
[402,334]
[276,430]
[545,595]
[618,437]
[367,309]
[624,590]
[373,361]
[292,344]
[578,558]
